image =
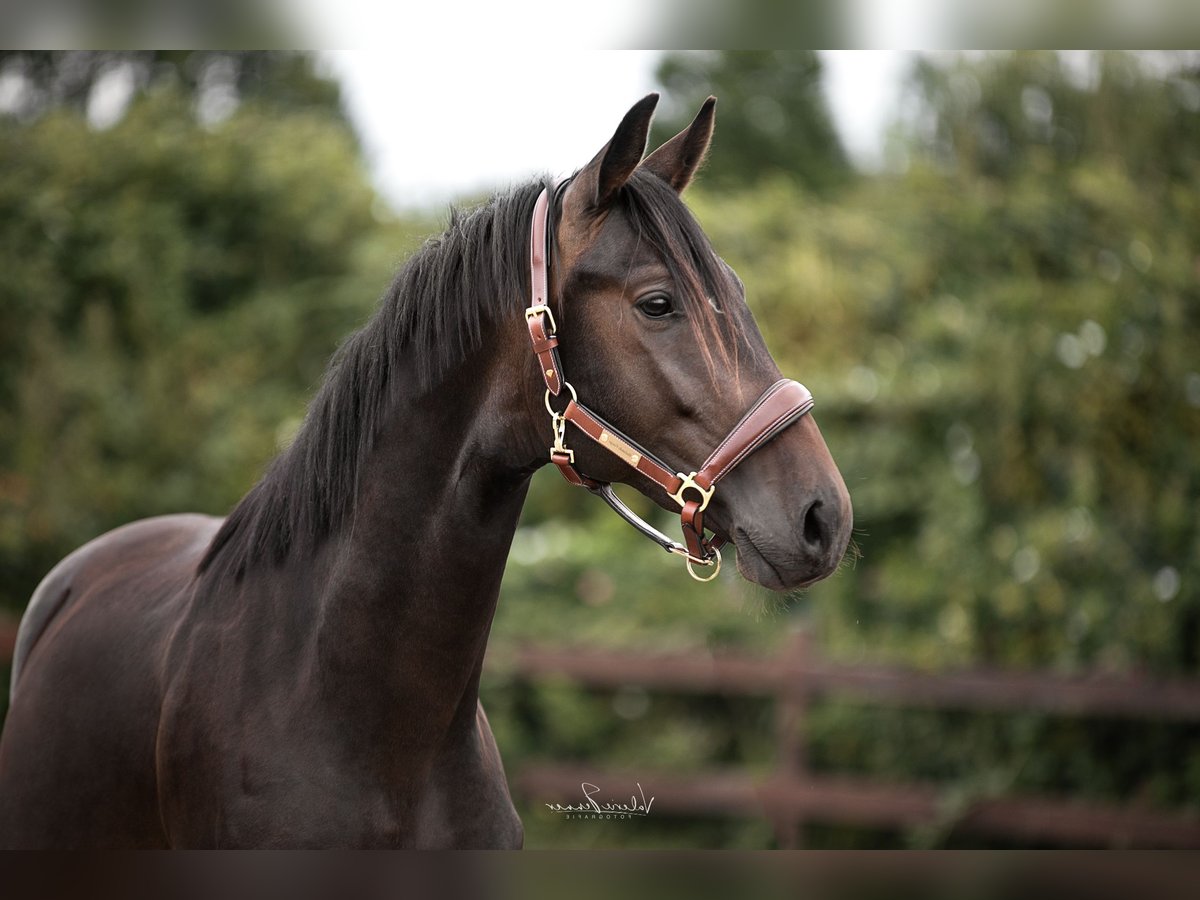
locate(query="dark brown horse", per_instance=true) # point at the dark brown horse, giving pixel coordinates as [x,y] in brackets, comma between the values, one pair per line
[305,672]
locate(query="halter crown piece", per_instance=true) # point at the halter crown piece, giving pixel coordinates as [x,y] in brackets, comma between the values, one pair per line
[782,404]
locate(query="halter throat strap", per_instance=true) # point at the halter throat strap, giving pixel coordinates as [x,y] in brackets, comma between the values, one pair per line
[778,407]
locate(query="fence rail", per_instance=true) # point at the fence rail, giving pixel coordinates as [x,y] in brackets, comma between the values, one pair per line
[790,795]
[798,674]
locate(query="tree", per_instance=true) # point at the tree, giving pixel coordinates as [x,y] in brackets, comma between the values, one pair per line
[1002,115]
[215,80]
[774,119]
[172,289]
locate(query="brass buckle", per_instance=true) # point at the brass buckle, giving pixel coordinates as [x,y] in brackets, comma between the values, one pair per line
[689,481]
[538,310]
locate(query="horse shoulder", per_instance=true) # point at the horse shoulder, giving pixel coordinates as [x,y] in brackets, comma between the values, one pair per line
[161,543]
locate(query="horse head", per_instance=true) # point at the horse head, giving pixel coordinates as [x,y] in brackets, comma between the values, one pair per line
[655,336]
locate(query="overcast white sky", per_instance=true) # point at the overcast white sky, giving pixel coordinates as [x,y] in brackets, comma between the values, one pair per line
[437,124]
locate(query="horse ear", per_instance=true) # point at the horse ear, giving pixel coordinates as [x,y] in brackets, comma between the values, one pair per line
[676,161]
[598,182]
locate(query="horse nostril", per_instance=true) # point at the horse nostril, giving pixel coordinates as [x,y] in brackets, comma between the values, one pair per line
[814,531]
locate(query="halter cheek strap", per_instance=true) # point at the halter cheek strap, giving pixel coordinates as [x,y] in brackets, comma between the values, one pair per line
[779,406]
[542,335]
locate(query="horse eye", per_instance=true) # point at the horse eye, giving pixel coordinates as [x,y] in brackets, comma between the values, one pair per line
[656,306]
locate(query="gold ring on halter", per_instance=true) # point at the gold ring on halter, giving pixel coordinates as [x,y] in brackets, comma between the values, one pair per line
[716,571]
[574,397]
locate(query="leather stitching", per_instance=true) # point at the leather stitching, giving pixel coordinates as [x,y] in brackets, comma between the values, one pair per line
[763,436]
[767,395]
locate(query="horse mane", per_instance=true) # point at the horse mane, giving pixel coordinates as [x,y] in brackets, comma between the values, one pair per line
[432,316]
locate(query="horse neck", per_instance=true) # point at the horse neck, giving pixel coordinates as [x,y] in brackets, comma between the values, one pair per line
[412,582]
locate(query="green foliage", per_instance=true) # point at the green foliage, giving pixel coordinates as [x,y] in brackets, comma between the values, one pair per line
[170,294]
[1022,416]
[70,79]
[1005,114]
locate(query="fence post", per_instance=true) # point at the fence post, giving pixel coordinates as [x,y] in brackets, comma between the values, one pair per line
[791,701]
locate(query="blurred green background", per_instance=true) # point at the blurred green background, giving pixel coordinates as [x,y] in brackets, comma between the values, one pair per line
[1002,329]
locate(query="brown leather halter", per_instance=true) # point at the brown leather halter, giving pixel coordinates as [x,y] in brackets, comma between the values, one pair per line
[779,406]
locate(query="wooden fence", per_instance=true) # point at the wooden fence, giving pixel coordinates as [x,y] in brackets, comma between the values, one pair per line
[792,795]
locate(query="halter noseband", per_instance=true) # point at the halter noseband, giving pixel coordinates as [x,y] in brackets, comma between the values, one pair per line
[779,406]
